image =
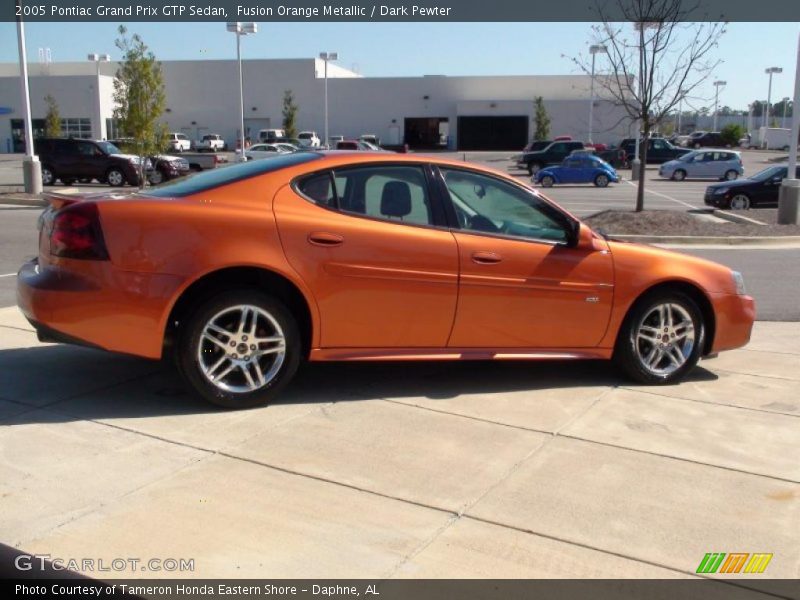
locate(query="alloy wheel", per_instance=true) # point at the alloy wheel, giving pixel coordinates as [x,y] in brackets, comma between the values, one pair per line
[241,349]
[601,181]
[47,176]
[115,178]
[731,175]
[665,338]
[740,202]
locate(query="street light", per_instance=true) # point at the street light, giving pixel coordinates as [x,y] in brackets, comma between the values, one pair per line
[31,167]
[326,57]
[98,120]
[594,49]
[770,71]
[241,29]
[717,84]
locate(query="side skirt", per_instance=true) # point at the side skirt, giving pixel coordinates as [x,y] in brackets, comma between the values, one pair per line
[395,354]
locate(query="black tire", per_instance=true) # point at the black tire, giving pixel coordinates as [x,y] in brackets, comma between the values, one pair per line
[739,201]
[730,175]
[629,346]
[678,175]
[548,181]
[157,177]
[48,175]
[115,177]
[189,343]
[601,180]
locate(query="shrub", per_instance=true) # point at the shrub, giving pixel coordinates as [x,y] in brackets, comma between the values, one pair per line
[732,133]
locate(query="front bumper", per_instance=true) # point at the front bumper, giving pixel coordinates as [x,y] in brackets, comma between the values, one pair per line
[735,315]
[94,304]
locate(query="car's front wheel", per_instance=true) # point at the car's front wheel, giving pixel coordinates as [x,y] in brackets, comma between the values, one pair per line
[548,181]
[239,349]
[739,202]
[601,180]
[115,178]
[679,175]
[661,339]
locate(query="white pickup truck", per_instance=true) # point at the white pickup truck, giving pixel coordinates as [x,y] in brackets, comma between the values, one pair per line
[211,142]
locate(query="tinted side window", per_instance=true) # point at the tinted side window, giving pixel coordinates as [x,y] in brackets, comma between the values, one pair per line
[488,205]
[393,193]
[559,147]
[319,188]
[65,147]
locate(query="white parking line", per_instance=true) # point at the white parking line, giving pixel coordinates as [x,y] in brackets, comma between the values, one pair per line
[8,275]
[646,191]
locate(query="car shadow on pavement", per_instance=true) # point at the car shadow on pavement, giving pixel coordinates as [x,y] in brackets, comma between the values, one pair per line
[78,384]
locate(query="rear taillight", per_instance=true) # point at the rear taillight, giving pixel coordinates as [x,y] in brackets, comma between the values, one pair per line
[76,233]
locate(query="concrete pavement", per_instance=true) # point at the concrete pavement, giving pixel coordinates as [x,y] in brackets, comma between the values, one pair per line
[404,470]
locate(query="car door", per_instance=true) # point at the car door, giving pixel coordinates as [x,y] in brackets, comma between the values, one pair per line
[702,165]
[372,244]
[569,170]
[521,286]
[93,162]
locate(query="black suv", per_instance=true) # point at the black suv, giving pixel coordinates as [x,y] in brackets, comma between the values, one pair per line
[712,139]
[659,150]
[552,155]
[71,160]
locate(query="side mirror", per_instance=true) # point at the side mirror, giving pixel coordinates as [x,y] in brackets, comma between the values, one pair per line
[583,238]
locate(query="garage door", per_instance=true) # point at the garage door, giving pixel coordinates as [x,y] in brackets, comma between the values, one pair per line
[492,133]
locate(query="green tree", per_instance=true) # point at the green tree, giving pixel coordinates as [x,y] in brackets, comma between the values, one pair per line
[542,120]
[140,98]
[52,120]
[289,114]
[732,133]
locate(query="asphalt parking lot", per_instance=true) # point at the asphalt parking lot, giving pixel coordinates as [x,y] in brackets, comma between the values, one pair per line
[509,470]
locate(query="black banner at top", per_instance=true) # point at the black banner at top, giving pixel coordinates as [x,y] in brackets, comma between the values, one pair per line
[383,10]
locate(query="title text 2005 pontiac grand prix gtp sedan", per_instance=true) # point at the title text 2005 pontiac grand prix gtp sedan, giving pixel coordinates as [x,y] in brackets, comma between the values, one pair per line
[243,272]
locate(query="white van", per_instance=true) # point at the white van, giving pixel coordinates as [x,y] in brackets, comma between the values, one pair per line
[179,142]
[309,139]
[270,135]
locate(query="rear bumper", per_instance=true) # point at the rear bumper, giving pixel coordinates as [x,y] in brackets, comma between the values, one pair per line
[93,304]
[734,321]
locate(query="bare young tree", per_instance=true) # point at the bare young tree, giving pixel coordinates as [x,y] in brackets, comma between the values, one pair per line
[656,58]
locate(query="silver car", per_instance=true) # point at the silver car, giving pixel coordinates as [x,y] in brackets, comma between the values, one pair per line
[704,164]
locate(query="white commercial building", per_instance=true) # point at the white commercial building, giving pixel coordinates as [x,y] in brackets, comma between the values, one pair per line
[466,113]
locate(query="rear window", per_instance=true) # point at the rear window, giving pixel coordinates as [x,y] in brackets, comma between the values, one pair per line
[225,175]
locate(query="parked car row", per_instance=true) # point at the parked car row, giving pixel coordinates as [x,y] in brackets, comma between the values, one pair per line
[761,189]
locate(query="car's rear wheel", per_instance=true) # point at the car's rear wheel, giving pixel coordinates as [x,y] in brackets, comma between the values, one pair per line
[730,175]
[48,175]
[739,202]
[601,180]
[548,181]
[661,339]
[679,175]
[239,349]
[115,178]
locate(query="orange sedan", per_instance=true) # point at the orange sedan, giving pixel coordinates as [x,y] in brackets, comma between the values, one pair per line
[244,271]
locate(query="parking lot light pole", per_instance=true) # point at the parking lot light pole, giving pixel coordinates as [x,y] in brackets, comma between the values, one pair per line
[770,71]
[594,50]
[789,198]
[31,167]
[241,29]
[326,57]
[717,84]
[97,59]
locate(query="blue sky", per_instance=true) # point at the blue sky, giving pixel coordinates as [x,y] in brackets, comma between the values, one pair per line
[409,49]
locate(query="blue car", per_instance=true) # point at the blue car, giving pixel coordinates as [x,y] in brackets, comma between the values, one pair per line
[578,168]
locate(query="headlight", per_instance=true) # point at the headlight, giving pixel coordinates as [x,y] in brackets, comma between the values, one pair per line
[720,191]
[738,283]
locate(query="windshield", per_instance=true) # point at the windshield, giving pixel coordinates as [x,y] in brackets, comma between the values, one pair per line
[109,148]
[207,180]
[769,173]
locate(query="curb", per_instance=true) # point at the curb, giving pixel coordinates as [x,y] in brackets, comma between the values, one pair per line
[733,240]
[18,201]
